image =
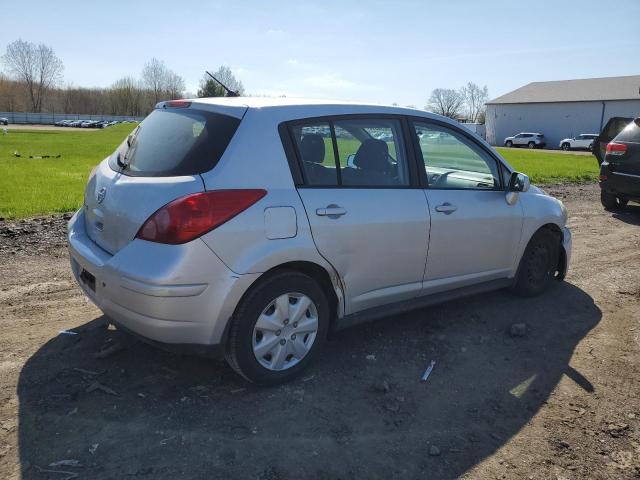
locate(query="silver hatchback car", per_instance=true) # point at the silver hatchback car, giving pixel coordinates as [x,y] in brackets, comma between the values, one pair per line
[251,227]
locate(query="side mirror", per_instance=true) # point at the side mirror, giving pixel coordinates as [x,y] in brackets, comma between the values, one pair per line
[519,182]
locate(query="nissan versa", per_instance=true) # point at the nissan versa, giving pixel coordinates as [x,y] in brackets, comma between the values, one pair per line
[251,227]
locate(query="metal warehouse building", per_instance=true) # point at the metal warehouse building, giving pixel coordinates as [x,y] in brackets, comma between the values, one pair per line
[563,108]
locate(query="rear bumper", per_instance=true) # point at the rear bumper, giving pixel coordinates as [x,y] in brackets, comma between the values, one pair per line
[170,294]
[620,184]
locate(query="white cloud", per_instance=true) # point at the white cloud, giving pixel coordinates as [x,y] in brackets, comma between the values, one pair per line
[275,32]
[293,61]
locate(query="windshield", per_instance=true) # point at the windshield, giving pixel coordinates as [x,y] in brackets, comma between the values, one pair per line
[173,142]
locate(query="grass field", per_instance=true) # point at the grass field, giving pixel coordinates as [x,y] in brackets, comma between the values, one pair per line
[30,187]
[36,186]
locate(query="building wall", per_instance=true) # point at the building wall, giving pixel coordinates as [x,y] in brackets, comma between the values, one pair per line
[555,120]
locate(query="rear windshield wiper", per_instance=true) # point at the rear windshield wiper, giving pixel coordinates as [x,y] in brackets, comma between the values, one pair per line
[122,160]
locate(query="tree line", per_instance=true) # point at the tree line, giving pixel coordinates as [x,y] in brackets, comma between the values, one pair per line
[466,103]
[32,82]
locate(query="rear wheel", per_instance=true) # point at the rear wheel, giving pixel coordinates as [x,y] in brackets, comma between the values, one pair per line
[509,144]
[278,328]
[538,264]
[566,147]
[612,202]
[531,145]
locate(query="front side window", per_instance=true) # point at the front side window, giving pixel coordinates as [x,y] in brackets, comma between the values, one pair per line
[452,161]
[370,152]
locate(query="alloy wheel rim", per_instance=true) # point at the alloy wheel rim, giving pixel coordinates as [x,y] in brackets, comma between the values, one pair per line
[285,331]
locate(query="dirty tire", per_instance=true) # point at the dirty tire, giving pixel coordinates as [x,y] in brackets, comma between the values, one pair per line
[611,202]
[509,144]
[539,264]
[239,351]
[531,145]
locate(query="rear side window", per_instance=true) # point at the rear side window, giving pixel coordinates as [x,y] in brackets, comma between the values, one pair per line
[176,141]
[631,133]
[370,152]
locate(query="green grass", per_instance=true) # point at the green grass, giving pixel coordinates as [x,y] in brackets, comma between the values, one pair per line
[544,166]
[31,187]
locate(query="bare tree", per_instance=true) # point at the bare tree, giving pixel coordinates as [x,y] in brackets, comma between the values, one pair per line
[446,101]
[37,66]
[175,85]
[474,98]
[210,88]
[154,77]
[8,94]
[126,97]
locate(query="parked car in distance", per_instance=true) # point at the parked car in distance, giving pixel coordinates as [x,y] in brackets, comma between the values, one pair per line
[611,129]
[529,140]
[4,121]
[584,141]
[255,238]
[620,171]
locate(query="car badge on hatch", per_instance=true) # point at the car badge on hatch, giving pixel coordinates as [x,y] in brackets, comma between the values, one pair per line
[101,194]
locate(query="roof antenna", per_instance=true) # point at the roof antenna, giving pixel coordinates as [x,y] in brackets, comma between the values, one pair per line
[230,93]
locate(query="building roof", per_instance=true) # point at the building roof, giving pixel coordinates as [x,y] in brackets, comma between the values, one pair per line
[582,90]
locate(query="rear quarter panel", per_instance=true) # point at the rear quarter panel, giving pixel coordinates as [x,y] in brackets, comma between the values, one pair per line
[255,158]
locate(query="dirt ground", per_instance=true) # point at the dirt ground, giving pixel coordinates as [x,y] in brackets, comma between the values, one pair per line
[560,402]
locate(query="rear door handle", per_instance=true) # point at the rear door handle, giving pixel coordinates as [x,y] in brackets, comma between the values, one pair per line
[446,208]
[331,211]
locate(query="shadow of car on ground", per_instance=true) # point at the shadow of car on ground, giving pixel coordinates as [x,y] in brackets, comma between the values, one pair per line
[359,412]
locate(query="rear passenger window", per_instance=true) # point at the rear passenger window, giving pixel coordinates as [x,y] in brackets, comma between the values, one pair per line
[453,162]
[371,153]
[315,149]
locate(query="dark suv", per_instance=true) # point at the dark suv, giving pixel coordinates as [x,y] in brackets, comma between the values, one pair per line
[620,170]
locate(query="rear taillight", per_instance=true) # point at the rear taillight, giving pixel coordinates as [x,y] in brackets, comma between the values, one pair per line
[191,216]
[617,149]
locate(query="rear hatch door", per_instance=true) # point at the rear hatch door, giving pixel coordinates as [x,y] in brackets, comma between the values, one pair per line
[160,161]
[613,127]
[626,168]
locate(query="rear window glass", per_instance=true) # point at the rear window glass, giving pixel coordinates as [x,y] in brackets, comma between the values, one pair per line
[631,133]
[175,141]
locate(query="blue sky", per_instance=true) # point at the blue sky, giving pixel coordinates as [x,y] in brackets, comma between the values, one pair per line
[377,51]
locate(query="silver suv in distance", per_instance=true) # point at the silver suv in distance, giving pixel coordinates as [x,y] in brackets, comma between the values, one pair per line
[529,140]
[252,227]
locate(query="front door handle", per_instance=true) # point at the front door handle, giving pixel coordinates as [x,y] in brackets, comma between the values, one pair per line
[446,208]
[331,211]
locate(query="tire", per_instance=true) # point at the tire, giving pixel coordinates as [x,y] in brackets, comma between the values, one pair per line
[566,147]
[508,144]
[591,147]
[611,202]
[538,264]
[280,362]
[531,145]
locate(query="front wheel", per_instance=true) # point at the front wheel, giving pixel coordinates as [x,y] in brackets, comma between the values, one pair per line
[538,264]
[566,147]
[612,202]
[531,145]
[509,144]
[278,328]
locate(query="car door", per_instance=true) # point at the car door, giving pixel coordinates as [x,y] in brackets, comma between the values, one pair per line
[474,231]
[582,142]
[369,219]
